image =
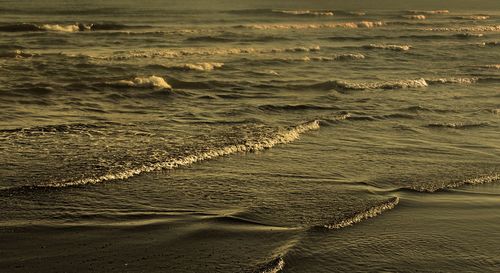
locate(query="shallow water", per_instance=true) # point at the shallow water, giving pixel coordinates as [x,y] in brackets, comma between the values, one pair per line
[249,136]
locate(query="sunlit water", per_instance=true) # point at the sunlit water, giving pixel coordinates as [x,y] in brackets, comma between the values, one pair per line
[258,138]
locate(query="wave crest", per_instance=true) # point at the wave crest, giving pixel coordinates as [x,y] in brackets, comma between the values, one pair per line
[144,82]
[388,47]
[359,216]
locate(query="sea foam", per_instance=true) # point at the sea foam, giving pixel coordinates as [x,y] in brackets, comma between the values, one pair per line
[144,82]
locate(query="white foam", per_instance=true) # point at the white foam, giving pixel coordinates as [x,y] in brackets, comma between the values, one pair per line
[61,28]
[491,66]
[145,82]
[305,12]
[471,181]
[492,28]
[401,84]
[389,47]
[362,24]
[476,17]
[441,11]
[415,17]
[363,215]
[453,80]
[203,66]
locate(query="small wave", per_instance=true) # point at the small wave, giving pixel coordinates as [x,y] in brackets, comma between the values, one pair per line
[283,136]
[199,66]
[458,125]
[453,80]
[402,84]
[415,17]
[441,11]
[172,53]
[491,66]
[57,128]
[24,27]
[474,17]
[495,111]
[294,107]
[469,35]
[274,266]
[492,43]
[471,181]
[305,12]
[359,216]
[388,47]
[16,54]
[466,29]
[362,24]
[144,82]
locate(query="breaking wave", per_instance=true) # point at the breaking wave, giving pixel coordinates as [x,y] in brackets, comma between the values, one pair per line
[283,136]
[25,27]
[359,216]
[144,82]
[305,12]
[441,11]
[198,66]
[458,125]
[467,29]
[388,47]
[415,17]
[16,54]
[175,53]
[471,181]
[453,80]
[362,24]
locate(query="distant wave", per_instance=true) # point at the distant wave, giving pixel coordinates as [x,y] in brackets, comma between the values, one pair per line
[16,54]
[442,11]
[388,47]
[458,125]
[144,82]
[453,80]
[490,66]
[196,66]
[25,27]
[471,181]
[474,17]
[359,216]
[491,43]
[397,84]
[415,17]
[362,24]
[305,12]
[340,57]
[282,136]
[492,28]
[177,53]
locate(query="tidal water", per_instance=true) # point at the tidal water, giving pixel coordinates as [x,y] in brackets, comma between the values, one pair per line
[257,136]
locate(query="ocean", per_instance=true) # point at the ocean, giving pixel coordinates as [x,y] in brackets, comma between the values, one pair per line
[249,136]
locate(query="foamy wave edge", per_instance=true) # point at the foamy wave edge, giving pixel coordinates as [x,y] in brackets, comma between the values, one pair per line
[358,217]
[471,181]
[284,137]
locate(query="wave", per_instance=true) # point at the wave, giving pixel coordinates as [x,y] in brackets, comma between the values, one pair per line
[282,136]
[358,216]
[76,27]
[16,54]
[294,107]
[415,17]
[362,24]
[144,82]
[276,265]
[492,28]
[305,12]
[176,53]
[453,80]
[458,125]
[490,66]
[441,11]
[341,57]
[402,84]
[388,47]
[197,66]
[57,128]
[471,181]
[469,35]
[491,43]
[474,17]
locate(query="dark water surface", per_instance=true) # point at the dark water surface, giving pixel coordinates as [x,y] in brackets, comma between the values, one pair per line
[256,136]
